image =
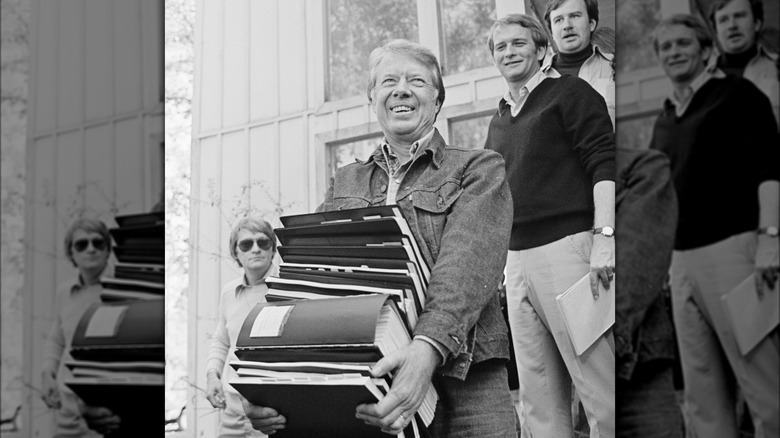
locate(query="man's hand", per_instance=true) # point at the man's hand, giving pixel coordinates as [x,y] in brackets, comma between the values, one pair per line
[767,264]
[265,420]
[214,393]
[602,263]
[414,365]
[51,394]
[101,419]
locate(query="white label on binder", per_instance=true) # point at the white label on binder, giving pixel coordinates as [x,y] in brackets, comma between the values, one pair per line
[105,322]
[270,321]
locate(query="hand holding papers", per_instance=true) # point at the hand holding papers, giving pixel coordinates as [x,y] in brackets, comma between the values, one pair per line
[587,318]
[751,318]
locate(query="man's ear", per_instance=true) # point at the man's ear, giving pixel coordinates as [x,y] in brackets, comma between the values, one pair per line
[706,53]
[757,25]
[593,24]
[540,53]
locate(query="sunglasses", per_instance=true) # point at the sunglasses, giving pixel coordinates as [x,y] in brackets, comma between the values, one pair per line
[247,244]
[97,243]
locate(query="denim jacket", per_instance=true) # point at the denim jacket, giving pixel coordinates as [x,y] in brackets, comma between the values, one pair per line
[599,72]
[459,208]
[645,220]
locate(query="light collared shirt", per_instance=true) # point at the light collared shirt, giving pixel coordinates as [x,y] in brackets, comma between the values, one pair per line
[536,79]
[681,103]
[597,70]
[396,171]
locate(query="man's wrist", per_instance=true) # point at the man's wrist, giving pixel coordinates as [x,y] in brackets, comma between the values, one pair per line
[212,372]
[438,350]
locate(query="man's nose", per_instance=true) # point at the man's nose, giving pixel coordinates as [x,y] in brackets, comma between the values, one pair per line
[401,88]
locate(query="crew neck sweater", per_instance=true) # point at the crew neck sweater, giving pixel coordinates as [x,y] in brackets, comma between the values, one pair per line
[734,64]
[720,149]
[570,63]
[556,149]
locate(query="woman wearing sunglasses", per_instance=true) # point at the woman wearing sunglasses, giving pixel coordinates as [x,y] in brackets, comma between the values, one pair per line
[87,246]
[253,246]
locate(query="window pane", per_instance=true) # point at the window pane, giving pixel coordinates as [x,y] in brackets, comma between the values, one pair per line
[637,20]
[346,153]
[356,27]
[636,133]
[465,24]
[470,133]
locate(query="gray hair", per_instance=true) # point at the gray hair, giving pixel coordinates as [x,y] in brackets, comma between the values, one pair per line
[255,225]
[413,50]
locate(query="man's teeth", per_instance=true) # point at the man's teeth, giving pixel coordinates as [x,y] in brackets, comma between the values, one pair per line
[401,109]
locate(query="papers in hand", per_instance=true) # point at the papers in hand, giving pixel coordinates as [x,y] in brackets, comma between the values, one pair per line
[587,318]
[751,318]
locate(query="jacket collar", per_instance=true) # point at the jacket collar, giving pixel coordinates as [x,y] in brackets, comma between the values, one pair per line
[435,148]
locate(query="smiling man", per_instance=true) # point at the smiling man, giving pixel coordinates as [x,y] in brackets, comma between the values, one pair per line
[459,209]
[718,132]
[737,24]
[571,24]
[555,135]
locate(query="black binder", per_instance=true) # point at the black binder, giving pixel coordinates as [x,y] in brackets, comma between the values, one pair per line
[139,334]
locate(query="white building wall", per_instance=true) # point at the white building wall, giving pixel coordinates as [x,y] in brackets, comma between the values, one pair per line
[94,134]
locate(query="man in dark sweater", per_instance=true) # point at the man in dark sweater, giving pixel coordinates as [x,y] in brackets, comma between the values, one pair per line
[555,135]
[572,24]
[718,132]
[737,24]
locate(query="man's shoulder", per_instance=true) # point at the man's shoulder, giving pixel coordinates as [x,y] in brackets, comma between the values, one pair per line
[231,285]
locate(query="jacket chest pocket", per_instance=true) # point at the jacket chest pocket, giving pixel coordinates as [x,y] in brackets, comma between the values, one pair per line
[431,208]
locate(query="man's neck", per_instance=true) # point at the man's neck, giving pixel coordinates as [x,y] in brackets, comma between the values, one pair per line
[577,57]
[253,277]
[735,63]
[90,277]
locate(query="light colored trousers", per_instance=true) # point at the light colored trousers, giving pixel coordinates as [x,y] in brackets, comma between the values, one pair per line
[709,354]
[546,361]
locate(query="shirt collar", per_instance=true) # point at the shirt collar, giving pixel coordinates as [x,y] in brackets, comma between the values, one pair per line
[532,83]
[695,86]
[242,283]
[417,148]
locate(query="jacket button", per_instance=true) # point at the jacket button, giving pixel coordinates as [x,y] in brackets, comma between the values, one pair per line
[462,364]
[383,188]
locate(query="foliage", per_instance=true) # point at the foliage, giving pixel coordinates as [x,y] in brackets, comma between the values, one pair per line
[465,24]
[15,19]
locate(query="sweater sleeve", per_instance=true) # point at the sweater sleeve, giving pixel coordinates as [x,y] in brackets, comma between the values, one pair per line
[585,116]
[220,342]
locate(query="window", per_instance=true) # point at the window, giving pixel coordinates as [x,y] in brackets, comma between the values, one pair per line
[470,133]
[355,28]
[639,19]
[464,26]
[346,153]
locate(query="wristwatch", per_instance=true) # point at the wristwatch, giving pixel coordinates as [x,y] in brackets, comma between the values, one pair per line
[607,231]
[770,231]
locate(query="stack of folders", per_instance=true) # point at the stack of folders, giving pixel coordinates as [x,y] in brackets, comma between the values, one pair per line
[351,252]
[310,360]
[358,280]
[118,352]
[140,251]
